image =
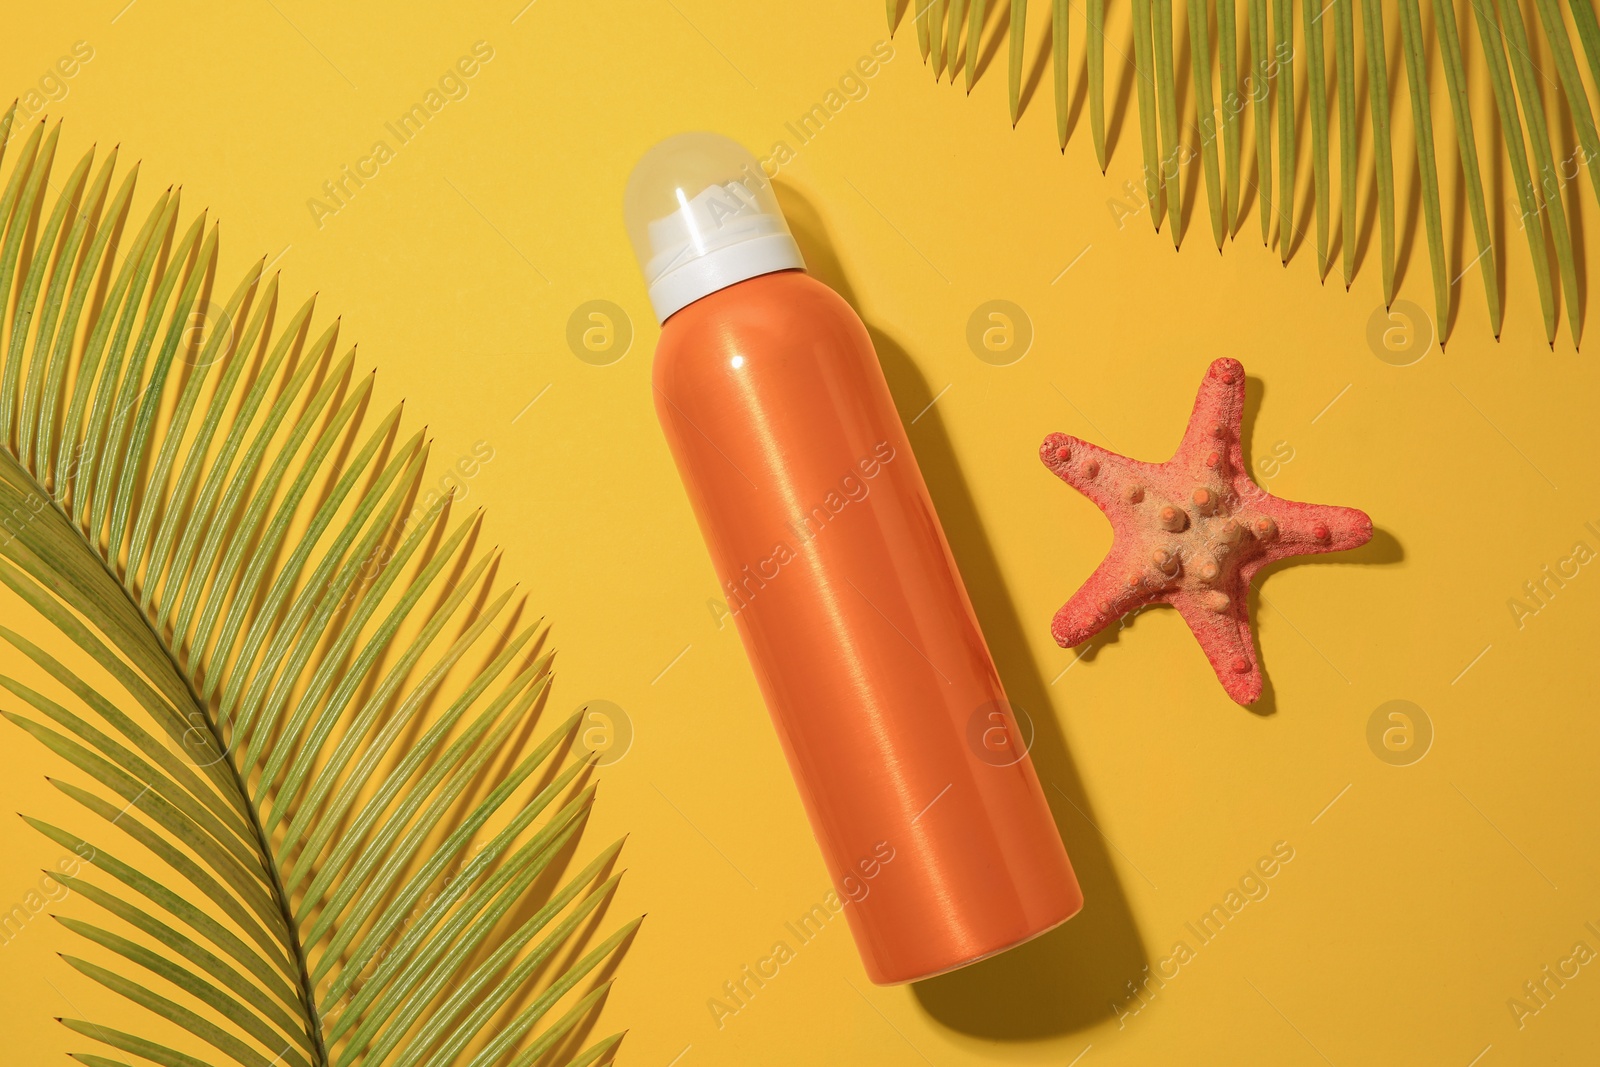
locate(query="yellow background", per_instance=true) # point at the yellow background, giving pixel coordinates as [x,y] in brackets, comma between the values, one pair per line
[1420,898]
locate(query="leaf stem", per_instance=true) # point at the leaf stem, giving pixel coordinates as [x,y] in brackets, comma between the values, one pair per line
[275,884]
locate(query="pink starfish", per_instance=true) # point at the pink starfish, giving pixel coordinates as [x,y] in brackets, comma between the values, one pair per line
[1192,532]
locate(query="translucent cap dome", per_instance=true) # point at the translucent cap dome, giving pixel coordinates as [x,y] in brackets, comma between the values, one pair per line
[702,216]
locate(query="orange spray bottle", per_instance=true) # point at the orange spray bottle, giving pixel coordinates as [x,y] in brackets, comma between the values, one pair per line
[919,789]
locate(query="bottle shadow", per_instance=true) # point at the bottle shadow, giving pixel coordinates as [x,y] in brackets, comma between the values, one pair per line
[1068,979]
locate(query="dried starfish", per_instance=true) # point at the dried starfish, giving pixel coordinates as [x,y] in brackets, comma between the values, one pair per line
[1192,532]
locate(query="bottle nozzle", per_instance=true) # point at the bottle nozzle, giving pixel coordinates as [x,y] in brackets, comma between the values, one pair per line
[702,216]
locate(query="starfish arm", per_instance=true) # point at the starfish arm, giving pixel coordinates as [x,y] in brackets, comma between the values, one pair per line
[1104,477]
[1225,638]
[1100,601]
[1218,415]
[1298,529]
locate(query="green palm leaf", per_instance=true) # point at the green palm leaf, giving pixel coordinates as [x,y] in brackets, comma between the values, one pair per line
[282,687]
[1506,105]
[1095,43]
[1422,116]
[1019,37]
[1549,183]
[974,38]
[1200,47]
[1232,105]
[1283,89]
[1534,110]
[1344,36]
[1060,35]
[1167,107]
[1317,85]
[1145,79]
[952,38]
[1467,143]
[1261,73]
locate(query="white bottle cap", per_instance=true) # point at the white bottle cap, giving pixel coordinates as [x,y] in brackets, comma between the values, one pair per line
[702,216]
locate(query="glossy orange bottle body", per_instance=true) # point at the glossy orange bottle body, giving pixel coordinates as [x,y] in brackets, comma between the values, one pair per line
[928,811]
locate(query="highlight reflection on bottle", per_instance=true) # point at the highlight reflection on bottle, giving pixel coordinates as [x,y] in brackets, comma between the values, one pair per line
[837,573]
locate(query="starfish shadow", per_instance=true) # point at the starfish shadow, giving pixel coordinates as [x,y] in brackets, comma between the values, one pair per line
[1086,651]
[1064,981]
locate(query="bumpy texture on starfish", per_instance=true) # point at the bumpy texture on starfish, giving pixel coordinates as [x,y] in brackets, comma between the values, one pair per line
[1192,532]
